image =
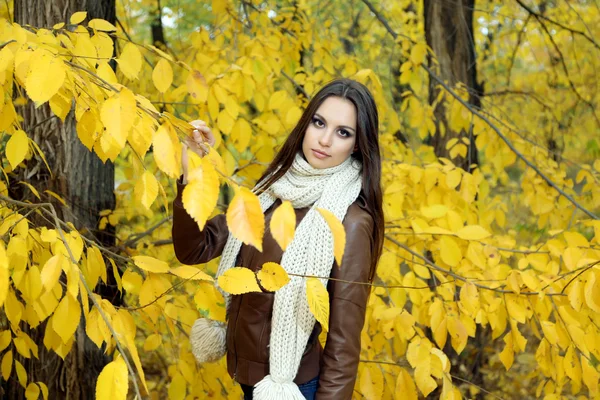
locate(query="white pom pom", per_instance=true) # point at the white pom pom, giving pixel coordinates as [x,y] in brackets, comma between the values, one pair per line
[207,338]
[270,388]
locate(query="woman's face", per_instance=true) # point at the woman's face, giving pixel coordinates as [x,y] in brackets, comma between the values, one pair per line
[331,136]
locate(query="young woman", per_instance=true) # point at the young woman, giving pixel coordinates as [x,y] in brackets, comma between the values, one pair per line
[330,160]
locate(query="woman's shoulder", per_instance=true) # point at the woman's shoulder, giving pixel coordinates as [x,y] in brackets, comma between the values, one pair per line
[358,214]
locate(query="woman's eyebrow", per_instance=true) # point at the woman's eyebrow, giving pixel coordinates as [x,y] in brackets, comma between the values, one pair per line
[341,126]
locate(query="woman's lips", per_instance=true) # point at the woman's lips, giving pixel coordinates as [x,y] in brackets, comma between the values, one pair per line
[319,155]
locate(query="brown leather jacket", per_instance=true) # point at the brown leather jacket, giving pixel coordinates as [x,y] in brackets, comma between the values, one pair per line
[249,315]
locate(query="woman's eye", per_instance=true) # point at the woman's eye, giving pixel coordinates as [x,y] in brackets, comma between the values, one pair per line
[317,122]
[344,133]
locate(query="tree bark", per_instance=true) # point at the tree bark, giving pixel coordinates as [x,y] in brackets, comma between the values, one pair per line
[449,32]
[87,186]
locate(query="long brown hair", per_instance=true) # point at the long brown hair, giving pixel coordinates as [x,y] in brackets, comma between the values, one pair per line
[368,150]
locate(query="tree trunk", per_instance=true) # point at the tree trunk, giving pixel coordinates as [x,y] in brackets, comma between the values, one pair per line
[86,184]
[449,32]
[158,34]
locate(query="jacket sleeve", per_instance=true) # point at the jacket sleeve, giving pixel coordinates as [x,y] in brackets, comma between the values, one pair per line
[193,246]
[347,311]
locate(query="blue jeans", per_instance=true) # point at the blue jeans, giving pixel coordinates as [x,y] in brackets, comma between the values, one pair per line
[308,389]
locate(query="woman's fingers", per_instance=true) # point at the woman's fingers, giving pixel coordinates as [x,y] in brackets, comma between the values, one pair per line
[197,123]
[204,134]
[201,138]
[196,143]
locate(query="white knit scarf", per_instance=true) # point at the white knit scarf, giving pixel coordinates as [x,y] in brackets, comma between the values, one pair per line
[310,253]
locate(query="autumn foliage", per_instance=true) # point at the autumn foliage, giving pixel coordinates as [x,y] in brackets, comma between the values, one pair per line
[489,284]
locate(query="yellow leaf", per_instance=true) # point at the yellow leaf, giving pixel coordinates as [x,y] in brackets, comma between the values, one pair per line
[3,274]
[5,338]
[21,374]
[473,232]
[318,301]
[241,134]
[31,284]
[16,148]
[51,271]
[272,276]
[425,382]
[177,387]
[96,268]
[283,224]
[66,317]
[167,151]
[572,366]
[162,76]
[277,100]
[191,273]
[238,280]
[46,76]
[132,281]
[6,367]
[590,375]
[453,178]
[140,137]
[550,333]
[443,359]
[146,189]
[592,292]
[338,232]
[469,298]
[450,251]
[201,194]
[32,392]
[102,25]
[507,355]
[371,382]
[418,53]
[405,386]
[44,388]
[118,114]
[77,17]
[197,88]
[435,211]
[224,122]
[245,218]
[293,115]
[86,129]
[209,299]
[458,334]
[151,264]
[152,342]
[130,61]
[116,275]
[56,196]
[113,382]
[576,295]
[575,239]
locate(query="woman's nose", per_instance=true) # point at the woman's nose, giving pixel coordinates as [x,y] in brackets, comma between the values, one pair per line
[326,138]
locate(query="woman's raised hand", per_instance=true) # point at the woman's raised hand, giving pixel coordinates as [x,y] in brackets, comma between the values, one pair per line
[201,138]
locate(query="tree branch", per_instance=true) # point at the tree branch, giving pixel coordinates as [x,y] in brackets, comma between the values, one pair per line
[574,31]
